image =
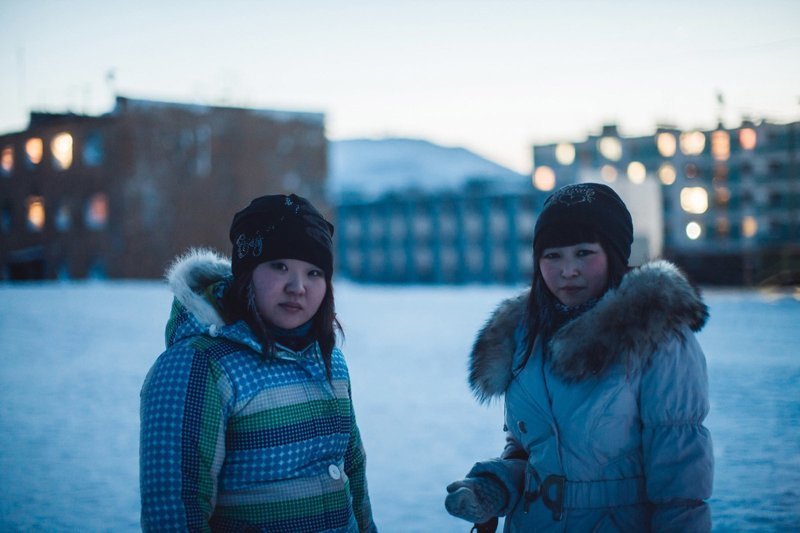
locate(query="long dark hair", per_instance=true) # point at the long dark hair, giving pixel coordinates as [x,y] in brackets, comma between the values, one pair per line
[239,303]
[543,316]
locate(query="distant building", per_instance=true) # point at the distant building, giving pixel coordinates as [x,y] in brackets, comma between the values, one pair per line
[728,200]
[480,233]
[119,195]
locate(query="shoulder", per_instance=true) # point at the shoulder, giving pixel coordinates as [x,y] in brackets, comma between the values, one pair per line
[339,369]
[674,388]
[494,348]
[192,355]
[653,304]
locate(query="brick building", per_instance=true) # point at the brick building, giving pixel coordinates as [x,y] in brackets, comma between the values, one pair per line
[119,195]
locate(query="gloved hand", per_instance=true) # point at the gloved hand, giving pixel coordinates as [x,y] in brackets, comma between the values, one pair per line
[476,499]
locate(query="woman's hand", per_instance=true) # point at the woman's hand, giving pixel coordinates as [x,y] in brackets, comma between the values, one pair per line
[475,499]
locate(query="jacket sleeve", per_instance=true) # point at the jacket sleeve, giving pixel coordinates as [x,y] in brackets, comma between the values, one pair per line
[182,440]
[678,455]
[508,470]
[355,466]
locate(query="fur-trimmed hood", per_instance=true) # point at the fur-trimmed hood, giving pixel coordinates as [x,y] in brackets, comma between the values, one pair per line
[190,275]
[653,302]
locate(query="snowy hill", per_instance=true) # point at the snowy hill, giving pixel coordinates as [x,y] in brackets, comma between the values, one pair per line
[373,167]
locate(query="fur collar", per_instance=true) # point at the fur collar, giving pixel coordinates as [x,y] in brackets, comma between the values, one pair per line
[653,302]
[190,275]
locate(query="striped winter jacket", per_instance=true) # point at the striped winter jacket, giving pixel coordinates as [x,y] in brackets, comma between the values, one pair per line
[232,440]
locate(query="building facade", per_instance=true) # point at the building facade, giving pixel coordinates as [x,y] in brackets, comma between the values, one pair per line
[119,195]
[481,233]
[728,199]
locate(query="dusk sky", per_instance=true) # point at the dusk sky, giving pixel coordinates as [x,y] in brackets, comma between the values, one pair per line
[491,76]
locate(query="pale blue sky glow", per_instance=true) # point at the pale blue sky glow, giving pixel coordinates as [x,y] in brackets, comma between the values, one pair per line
[492,76]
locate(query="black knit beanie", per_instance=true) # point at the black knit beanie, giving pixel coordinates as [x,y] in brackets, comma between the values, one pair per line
[584,212]
[280,227]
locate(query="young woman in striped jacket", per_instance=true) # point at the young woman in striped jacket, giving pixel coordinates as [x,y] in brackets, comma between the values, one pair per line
[247,420]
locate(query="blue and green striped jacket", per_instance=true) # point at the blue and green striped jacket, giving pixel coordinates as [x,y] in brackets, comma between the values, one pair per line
[232,440]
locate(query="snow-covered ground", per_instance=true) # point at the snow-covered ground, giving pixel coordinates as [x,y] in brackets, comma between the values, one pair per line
[73,357]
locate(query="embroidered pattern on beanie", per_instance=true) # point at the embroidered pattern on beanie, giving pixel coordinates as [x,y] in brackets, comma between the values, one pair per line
[245,246]
[574,194]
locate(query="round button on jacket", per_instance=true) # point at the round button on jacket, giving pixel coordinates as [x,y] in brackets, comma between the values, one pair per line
[334,472]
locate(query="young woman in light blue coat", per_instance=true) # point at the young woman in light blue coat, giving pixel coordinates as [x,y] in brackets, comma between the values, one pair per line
[604,383]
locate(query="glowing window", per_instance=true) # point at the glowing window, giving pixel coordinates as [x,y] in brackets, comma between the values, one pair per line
[7,160]
[694,200]
[693,142]
[667,174]
[610,148]
[720,145]
[61,148]
[749,226]
[544,178]
[693,230]
[637,172]
[666,143]
[96,215]
[34,149]
[565,153]
[608,173]
[747,138]
[36,214]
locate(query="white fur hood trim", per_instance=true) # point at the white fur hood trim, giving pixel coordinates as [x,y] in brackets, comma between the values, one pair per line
[190,274]
[627,325]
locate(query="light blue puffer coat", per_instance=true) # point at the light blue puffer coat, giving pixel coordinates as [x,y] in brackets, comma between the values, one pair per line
[622,449]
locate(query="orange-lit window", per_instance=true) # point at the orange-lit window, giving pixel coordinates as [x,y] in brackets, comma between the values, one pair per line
[610,148]
[97,211]
[34,149]
[749,226]
[565,153]
[608,173]
[544,178]
[694,200]
[720,145]
[61,148]
[693,142]
[747,138]
[36,213]
[7,160]
[637,172]
[667,174]
[666,144]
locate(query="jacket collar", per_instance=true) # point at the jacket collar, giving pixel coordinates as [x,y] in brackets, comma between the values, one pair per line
[653,303]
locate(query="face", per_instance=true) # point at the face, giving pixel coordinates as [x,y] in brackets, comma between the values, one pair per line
[288,291]
[575,274]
